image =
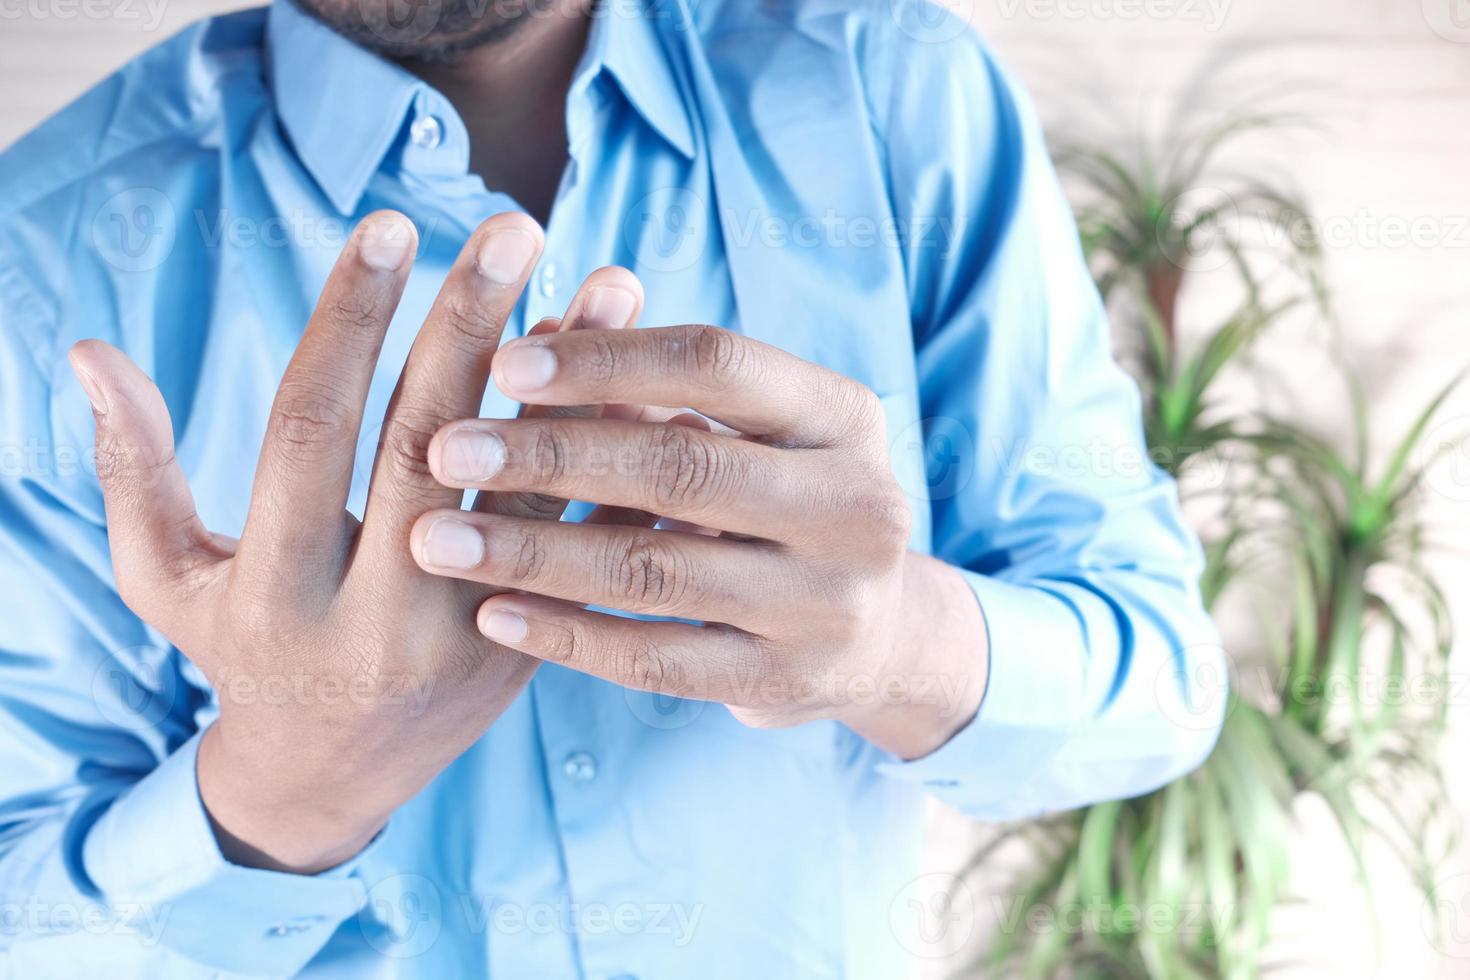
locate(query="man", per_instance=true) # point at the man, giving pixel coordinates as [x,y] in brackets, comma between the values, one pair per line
[308,715]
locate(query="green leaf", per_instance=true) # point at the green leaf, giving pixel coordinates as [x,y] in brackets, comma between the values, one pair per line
[1410,442]
[1095,852]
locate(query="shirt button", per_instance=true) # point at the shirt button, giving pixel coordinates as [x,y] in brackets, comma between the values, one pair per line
[427,132]
[548,279]
[579,767]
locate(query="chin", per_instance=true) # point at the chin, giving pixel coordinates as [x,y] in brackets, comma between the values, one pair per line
[428,30]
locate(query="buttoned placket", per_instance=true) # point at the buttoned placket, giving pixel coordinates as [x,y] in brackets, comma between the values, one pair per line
[580,748]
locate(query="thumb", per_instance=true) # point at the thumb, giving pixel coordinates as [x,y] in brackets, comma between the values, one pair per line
[159,545]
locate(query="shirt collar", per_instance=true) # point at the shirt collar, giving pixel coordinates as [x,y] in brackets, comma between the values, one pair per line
[342,106]
[625,39]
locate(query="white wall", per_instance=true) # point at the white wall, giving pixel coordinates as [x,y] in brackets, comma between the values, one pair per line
[1390,82]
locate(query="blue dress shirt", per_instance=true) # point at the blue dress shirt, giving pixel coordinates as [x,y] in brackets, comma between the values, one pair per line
[858,183]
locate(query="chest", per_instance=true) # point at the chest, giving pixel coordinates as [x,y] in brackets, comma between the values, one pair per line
[714,238]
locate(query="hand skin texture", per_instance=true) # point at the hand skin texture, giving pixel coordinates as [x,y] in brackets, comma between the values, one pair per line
[790,547]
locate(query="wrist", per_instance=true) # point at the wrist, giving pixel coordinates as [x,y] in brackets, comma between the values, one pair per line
[937,671]
[271,815]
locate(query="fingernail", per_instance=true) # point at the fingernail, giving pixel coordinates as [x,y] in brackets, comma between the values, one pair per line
[608,308]
[453,544]
[384,244]
[472,457]
[527,367]
[93,390]
[503,626]
[505,254]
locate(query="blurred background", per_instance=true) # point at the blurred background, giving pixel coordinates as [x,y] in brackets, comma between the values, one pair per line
[1276,202]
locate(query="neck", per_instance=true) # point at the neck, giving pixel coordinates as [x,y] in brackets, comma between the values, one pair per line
[511,94]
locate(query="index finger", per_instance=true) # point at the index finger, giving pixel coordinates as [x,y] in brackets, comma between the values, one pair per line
[748,385]
[305,471]
[446,372]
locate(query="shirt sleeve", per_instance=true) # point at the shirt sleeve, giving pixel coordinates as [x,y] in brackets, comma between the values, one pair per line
[106,853]
[1106,675]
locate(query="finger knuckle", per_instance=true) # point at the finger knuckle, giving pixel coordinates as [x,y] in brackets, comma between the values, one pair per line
[404,450]
[843,616]
[603,360]
[866,408]
[309,417]
[470,328]
[646,573]
[715,354]
[886,516]
[111,459]
[530,557]
[356,311]
[125,467]
[550,458]
[563,644]
[752,662]
[645,665]
[684,468]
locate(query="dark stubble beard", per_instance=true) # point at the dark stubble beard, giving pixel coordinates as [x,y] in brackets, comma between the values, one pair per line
[428,30]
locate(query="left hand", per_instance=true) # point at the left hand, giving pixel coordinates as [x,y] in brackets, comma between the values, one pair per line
[812,605]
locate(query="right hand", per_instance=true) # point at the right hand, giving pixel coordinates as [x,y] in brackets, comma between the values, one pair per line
[309,601]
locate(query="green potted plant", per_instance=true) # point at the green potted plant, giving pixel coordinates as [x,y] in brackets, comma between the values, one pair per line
[1183,882]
